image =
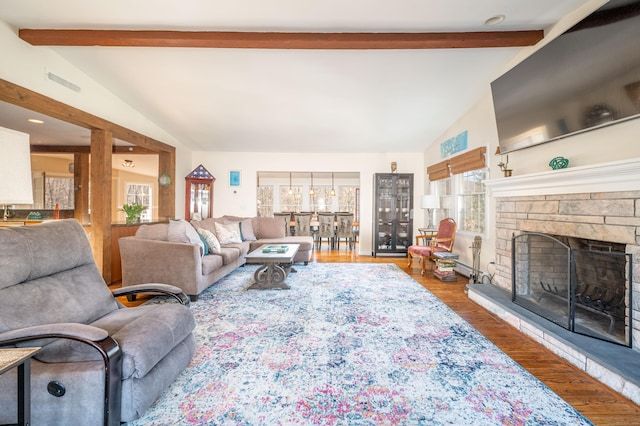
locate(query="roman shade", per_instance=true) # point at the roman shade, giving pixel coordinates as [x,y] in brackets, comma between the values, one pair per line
[472,160]
[439,171]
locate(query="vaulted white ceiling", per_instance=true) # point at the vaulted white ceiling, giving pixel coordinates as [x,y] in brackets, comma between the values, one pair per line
[286,100]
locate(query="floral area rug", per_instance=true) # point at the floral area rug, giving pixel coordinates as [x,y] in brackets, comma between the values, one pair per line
[348,344]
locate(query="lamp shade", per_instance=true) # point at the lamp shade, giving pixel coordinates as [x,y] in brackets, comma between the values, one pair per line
[15,168]
[430,202]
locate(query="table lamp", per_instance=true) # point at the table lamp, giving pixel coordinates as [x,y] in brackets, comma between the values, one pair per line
[15,169]
[430,202]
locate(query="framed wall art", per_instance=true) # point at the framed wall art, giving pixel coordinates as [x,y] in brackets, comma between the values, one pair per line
[234,178]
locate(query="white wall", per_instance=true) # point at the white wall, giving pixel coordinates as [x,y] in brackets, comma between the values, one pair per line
[479,122]
[25,65]
[242,201]
[616,142]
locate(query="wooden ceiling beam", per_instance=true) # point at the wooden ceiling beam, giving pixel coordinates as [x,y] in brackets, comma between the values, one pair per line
[34,101]
[280,40]
[60,149]
[82,149]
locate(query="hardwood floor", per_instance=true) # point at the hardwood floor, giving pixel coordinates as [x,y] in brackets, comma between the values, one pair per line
[597,402]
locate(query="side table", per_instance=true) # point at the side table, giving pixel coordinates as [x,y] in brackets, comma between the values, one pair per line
[21,358]
[428,232]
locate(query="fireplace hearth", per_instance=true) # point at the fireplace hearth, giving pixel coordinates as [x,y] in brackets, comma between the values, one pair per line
[579,284]
[599,202]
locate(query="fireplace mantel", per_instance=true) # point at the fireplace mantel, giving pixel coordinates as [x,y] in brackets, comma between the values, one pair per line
[623,175]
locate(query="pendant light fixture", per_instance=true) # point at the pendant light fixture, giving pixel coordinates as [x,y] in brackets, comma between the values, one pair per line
[333,187]
[311,191]
[290,188]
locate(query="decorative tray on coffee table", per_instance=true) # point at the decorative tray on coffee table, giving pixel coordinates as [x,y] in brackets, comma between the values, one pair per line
[275,249]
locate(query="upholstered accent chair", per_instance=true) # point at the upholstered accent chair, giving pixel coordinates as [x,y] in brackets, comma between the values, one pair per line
[303,224]
[100,362]
[326,228]
[344,230]
[426,245]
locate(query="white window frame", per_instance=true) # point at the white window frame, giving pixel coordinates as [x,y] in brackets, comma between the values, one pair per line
[58,189]
[135,194]
[290,202]
[452,194]
[265,200]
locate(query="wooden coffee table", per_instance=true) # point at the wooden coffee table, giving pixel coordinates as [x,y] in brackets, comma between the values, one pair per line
[276,261]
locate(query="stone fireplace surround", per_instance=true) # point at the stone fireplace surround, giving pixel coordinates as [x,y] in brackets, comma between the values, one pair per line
[599,202]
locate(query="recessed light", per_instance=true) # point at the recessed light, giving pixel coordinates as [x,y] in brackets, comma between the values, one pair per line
[494,20]
[35,120]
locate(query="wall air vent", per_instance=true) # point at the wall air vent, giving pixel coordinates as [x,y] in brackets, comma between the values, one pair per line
[61,81]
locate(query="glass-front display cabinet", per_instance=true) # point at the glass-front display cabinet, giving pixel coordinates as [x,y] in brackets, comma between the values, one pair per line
[199,194]
[393,213]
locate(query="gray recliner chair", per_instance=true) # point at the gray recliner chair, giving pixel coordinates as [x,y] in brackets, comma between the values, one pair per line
[101,362]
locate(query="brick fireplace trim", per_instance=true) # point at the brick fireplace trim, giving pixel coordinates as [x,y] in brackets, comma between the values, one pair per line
[603,216]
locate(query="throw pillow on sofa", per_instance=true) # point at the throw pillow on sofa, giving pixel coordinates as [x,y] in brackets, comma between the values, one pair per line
[204,244]
[270,227]
[181,231]
[212,241]
[246,228]
[229,233]
[209,224]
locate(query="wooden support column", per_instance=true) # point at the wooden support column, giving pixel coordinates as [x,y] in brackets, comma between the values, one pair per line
[99,171]
[101,141]
[167,194]
[81,187]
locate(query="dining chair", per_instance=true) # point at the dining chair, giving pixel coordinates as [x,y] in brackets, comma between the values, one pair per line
[303,223]
[426,245]
[326,228]
[344,229]
[286,218]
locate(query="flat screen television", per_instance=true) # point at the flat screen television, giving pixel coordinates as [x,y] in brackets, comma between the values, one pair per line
[586,78]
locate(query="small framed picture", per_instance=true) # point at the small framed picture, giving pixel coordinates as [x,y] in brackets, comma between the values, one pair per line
[234,178]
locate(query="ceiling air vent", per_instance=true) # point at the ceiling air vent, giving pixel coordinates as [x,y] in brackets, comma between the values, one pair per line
[61,81]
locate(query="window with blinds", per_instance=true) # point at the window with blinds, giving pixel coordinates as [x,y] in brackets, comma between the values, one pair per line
[458,183]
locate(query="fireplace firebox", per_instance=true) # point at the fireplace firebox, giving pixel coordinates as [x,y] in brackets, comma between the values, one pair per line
[579,284]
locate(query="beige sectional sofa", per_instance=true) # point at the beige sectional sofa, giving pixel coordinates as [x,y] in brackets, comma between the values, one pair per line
[169,253]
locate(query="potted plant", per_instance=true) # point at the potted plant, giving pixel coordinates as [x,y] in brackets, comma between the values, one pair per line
[133,212]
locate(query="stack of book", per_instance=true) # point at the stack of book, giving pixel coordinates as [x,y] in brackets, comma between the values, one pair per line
[444,270]
[445,265]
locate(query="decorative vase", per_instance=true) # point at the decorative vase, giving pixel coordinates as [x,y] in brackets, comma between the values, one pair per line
[133,219]
[559,163]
